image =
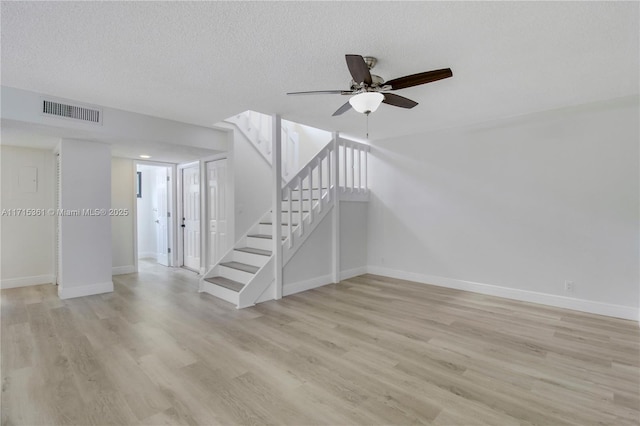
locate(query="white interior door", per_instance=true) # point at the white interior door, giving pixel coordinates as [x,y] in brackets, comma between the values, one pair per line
[191,217]
[217,209]
[162,216]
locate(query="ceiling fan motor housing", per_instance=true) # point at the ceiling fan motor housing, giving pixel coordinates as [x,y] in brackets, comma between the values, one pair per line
[376,81]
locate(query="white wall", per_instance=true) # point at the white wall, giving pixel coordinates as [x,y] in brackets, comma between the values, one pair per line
[310,141]
[312,264]
[122,227]
[353,238]
[27,242]
[523,204]
[85,240]
[252,184]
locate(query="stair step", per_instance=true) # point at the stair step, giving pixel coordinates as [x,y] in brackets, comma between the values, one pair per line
[254,251]
[226,283]
[241,267]
[264,236]
[283,224]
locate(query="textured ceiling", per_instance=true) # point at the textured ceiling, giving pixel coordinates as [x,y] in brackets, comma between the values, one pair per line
[200,62]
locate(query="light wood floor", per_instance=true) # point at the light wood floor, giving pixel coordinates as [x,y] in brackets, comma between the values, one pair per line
[368,351]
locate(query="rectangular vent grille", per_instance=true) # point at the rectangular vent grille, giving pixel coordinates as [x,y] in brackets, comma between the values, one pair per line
[71,111]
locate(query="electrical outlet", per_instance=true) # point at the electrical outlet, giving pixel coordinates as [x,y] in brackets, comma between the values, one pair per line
[569,286]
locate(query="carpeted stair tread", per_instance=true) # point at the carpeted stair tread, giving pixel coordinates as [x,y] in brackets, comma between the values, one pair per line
[283,224]
[254,251]
[241,267]
[226,283]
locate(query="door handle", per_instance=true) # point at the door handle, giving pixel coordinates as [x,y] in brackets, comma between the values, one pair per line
[183,225]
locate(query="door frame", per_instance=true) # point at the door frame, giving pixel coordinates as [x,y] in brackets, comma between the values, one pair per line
[172,206]
[204,241]
[180,246]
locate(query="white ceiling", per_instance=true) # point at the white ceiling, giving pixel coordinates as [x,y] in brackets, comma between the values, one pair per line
[200,62]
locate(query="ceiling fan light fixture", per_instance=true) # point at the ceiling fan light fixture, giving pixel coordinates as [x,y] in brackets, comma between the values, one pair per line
[366,102]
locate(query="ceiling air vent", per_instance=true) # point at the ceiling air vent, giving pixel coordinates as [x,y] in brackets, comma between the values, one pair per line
[76,112]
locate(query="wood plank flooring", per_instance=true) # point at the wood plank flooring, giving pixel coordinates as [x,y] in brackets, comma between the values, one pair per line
[370,350]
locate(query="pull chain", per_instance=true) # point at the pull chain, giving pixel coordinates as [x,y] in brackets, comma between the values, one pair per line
[367,125]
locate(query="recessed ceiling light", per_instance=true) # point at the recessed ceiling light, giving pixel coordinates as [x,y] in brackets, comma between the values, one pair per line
[145,156]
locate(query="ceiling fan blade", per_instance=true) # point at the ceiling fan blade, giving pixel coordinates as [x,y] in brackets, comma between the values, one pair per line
[344,108]
[322,92]
[358,69]
[399,101]
[420,78]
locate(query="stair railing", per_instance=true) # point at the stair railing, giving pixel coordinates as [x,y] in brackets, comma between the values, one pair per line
[353,166]
[316,172]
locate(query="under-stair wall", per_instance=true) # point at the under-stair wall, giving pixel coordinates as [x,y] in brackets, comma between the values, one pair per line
[310,267]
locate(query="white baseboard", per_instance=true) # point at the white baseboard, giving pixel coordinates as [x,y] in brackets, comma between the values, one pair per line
[289,289]
[84,290]
[147,255]
[617,311]
[350,273]
[121,270]
[26,281]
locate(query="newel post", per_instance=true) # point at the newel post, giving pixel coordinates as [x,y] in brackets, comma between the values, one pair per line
[335,197]
[276,163]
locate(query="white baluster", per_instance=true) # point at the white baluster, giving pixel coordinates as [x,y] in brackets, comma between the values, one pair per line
[301,204]
[359,169]
[319,184]
[329,154]
[310,171]
[344,161]
[353,170]
[290,214]
[366,171]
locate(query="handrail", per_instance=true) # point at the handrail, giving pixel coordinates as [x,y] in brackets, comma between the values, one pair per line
[353,144]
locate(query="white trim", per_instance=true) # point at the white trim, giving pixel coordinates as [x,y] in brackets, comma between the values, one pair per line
[350,273]
[85,290]
[289,289]
[26,281]
[121,270]
[617,311]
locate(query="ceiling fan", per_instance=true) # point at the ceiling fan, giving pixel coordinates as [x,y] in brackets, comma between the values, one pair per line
[370,90]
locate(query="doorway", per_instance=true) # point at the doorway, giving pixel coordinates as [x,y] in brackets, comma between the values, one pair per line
[153,213]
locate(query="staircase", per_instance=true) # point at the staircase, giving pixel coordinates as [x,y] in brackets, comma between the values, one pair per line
[246,274]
